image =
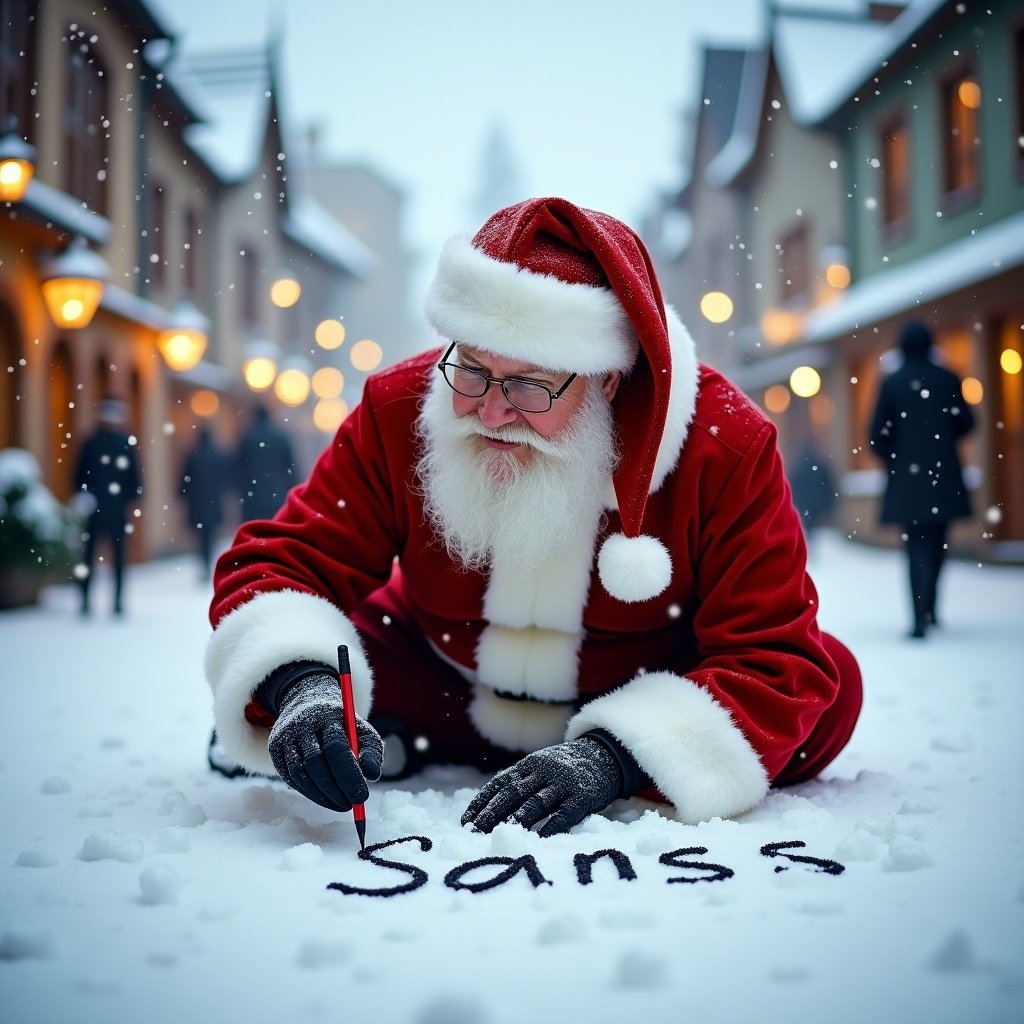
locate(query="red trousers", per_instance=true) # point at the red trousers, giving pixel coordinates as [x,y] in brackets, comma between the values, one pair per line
[428,699]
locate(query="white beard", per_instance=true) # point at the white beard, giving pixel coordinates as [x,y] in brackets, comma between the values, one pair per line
[484,503]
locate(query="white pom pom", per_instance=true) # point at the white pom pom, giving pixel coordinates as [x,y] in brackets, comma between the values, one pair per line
[634,568]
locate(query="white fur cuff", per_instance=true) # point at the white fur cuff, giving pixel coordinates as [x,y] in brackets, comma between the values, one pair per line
[684,740]
[271,630]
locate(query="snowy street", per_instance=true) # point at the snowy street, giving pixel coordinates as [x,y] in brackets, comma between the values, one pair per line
[139,886]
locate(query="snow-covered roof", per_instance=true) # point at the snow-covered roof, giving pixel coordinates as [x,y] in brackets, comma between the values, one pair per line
[990,251]
[822,59]
[313,227]
[65,212]
[230,141]
[867,63]
[740,146]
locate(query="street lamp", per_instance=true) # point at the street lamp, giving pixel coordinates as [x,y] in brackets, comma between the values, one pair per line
[17,165]
[73,284]
[183,342]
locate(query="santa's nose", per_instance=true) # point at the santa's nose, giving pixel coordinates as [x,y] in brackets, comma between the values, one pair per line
[494,409]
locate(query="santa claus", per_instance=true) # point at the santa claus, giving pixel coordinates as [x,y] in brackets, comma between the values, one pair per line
[557,547]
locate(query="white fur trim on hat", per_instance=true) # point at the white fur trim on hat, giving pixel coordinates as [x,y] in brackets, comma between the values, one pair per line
[684,740]
[519,314]
[634,568]
[273,629]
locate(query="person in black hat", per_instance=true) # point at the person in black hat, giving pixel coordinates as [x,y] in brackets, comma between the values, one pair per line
[919,417]
[108,483]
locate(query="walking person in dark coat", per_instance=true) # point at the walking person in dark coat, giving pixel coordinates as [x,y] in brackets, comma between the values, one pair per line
[107,476]
[203,481]
[919,417]
[265,467]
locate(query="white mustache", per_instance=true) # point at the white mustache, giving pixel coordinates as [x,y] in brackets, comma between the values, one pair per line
[470,426]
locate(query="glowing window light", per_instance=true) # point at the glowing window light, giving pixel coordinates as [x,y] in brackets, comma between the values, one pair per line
[805,381]
[973,390]
[329,414]
[292,386]
[204,404]
[329,333]
[1010,361]
[838,276]
[776,398]
[968,92]
[716,307]
[285,291]
[366,355]
[328,382]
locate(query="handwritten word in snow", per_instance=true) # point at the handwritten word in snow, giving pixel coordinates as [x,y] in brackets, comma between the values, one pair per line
[695,870]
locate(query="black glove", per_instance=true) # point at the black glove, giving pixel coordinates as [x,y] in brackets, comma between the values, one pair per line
[307,742]
[568,781]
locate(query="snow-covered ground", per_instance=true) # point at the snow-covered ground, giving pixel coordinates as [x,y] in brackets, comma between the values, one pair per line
[138,886]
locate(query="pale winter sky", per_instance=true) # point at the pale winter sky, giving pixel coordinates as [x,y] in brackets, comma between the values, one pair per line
[590,92]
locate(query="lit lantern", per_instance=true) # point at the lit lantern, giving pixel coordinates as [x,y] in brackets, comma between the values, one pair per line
[72,285]
[259,367]
[292,384]
[17,165]
[716,307]
[183,342]
[285,290]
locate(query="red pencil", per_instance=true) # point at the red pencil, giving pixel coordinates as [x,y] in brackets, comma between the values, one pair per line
[349,706]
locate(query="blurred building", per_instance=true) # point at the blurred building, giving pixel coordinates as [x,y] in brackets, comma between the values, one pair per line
[860,168]
[163,192]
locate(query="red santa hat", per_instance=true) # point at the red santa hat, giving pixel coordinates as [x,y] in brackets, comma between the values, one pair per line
[574,291]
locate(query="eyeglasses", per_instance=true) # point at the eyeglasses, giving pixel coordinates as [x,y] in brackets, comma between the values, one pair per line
[524,395]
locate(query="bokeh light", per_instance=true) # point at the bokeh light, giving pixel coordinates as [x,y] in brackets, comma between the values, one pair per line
[366,355]
[777,398]
[329,413]
[329,333]
[328,382]
[204,403]
[805,381]
[1010,361]
[716,307]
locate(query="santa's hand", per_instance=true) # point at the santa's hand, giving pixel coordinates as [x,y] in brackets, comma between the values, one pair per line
[564,783]
[309,748]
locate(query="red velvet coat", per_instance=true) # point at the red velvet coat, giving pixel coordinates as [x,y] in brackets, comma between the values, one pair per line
[713,685]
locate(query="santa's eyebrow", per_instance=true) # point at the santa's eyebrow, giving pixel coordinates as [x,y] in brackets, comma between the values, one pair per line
[529,371]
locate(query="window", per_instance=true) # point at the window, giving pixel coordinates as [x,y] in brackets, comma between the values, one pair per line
[896,174]
[86,126]
[191,262]
[249,281]
[961,104]
[156,235]
[19,22]
[1018,73]
[793,265]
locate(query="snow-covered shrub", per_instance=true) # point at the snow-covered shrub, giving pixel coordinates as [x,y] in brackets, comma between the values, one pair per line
[36,530]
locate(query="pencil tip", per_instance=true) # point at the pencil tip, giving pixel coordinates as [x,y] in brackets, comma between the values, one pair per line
[361,832]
